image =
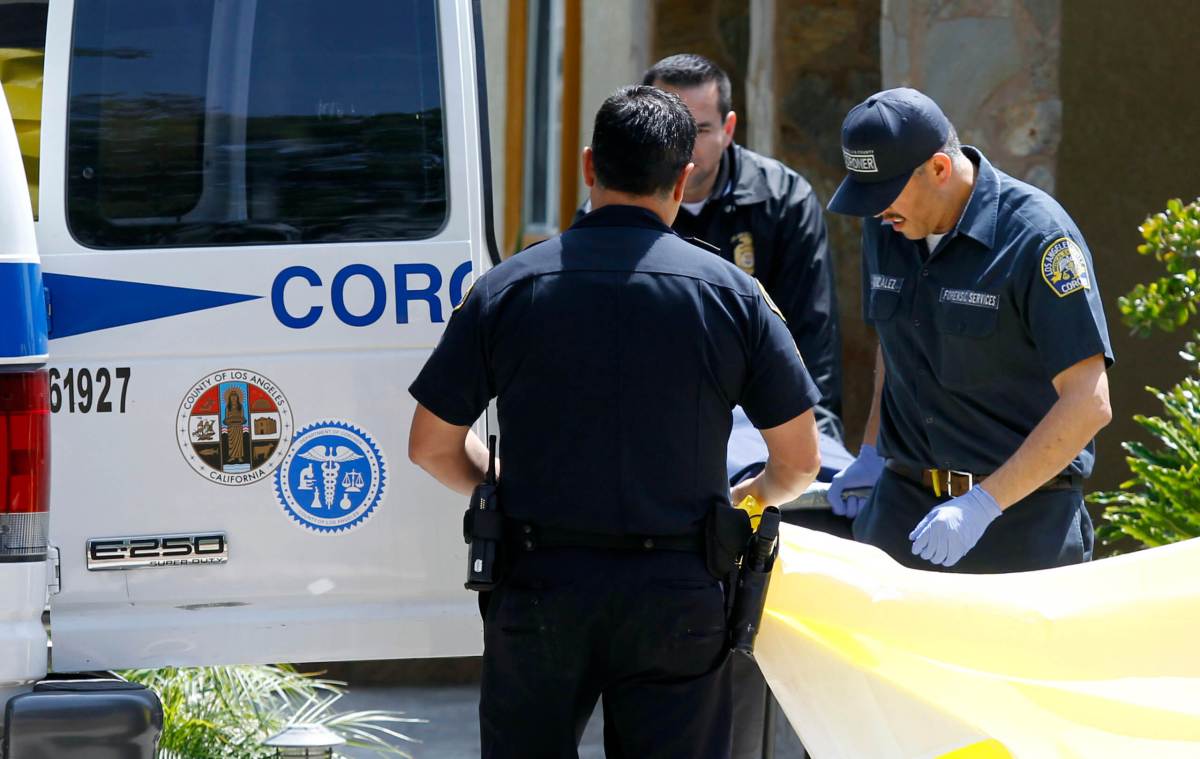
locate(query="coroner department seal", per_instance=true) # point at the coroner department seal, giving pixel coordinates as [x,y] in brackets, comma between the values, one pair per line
[234,427]
[332,477]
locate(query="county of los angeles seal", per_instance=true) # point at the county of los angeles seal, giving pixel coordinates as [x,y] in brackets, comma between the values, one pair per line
[234,427]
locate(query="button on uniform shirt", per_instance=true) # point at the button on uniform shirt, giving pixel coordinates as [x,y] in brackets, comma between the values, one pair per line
[974,331]
[616,352]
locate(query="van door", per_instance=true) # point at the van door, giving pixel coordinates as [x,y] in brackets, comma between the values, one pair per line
[263,216]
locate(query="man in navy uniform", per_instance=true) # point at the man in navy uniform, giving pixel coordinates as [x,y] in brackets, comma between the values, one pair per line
[766,219]
[991,370]
[615,351]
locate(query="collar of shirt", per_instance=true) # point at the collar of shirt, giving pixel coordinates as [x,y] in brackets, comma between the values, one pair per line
[978,220]
[623,216]
[747,187]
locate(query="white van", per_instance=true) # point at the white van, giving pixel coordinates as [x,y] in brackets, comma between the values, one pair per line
[253,219]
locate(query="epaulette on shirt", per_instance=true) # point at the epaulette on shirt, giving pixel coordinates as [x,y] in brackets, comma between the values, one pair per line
[702,244]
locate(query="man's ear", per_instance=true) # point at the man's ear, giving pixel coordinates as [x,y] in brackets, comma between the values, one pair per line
[681,183]
[589,168]
[728,126]
[940,164]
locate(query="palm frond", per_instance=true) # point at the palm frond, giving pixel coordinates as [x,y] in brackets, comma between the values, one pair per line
[227,712]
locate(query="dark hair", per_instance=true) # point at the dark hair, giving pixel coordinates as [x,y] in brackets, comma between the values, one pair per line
[691,70]
[643,137]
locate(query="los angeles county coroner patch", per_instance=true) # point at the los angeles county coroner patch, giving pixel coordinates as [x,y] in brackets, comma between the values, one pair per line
[332,478]
[1064,267]
[234,427]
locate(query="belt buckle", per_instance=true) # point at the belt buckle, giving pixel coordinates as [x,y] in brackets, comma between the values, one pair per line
[936,476]
[950,481]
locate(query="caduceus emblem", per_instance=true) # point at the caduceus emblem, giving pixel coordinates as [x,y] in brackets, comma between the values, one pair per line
[331,459]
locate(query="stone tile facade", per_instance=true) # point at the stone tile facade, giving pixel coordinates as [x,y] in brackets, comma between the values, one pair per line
[716,29]
[826,61]
[993,67]
[824,56]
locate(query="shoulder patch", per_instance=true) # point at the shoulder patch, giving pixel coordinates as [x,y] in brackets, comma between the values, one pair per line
[1064,267]
[466,294]
[703,244]
[770,302]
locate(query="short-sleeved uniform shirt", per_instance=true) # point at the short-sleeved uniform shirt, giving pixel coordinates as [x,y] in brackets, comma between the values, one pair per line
[616,352]
[974,331]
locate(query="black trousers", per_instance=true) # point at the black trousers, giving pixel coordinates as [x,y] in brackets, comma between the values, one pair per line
[643,632]
[1050,528]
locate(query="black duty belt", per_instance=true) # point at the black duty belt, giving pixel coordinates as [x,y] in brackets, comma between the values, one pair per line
[952,482]
[530,537]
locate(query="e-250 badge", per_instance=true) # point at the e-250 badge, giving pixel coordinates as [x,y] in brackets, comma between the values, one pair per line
[234,427]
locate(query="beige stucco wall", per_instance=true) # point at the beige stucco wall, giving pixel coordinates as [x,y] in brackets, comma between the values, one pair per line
[616,51]
[495,42]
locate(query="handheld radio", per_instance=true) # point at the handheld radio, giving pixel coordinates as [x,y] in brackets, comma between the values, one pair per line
[483,529]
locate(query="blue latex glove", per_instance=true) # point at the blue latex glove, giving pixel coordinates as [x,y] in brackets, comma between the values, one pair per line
[950,530]
[863,472]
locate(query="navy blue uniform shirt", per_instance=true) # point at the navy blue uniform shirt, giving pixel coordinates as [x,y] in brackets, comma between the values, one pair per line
[767,220]
[973,333]
[616,352]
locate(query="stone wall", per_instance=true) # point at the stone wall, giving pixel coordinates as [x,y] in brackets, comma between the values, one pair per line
[824,56]
[993,67]
[827,61]
[716,29]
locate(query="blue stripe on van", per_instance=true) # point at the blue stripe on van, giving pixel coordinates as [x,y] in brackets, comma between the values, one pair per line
[87,304]
[22,311]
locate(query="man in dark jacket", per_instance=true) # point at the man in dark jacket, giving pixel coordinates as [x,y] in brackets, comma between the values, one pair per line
[764,217]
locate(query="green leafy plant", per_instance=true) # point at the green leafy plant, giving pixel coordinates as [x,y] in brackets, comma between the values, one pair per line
[1173,238]
[1160,503]
[226,712]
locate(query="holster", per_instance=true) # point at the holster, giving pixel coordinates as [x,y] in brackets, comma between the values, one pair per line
[726,531]
[483,531]
[753,581]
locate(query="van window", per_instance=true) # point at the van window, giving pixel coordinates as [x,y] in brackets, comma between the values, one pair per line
[226,122]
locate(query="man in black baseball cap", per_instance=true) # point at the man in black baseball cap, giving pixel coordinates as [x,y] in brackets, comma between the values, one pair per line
[993,348]
[884,140]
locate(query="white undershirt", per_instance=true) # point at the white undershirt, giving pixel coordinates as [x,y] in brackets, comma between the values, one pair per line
[695,208]
[933,240]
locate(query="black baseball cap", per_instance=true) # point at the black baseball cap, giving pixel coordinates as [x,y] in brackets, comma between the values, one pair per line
[884,139]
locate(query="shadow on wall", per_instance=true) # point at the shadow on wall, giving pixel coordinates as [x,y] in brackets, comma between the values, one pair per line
[1131,141]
